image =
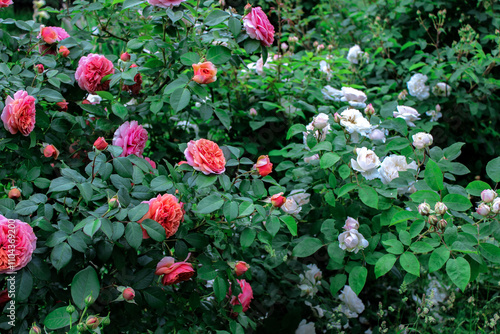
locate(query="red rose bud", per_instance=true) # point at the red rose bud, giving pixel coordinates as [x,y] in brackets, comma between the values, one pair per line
[263,165]
[63,51]
[277,200]
[100,144]
[92,322]
[128,294]
[50,151]
[240,268]
[63,105]
[39,68]
[125,56]
[14,193]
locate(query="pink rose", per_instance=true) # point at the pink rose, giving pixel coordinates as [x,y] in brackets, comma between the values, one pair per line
[50,151]
[277,200]
[351,224]
[240,268]
[204,73]
[174,272]
[24,241]
[151,162]
[128,294]
[263,165]
[166,211]
[245,297]
[205,156]
[258,27]
[165,3]
[90,72]
[132,137]
[125,56]
[48,34]
[5,3]
[63,51]
[19,113]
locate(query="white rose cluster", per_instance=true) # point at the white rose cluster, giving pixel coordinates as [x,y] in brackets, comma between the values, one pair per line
[351,240]
[352,306]
[310,280]
[417,87]
[409,114]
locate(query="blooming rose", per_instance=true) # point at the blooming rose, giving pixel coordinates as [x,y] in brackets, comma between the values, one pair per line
[100,144]
[258,27]
[5,3]
[204,73]
[205,156]
[422,140]
[351,224]
[392,165]
[320,121]
[355,54]
[305,328]
[134,89]
[174,272]
[24,241]
[352,305]
[483,209]
[320,135]
[94,99]
[90,72]
[332,94]
[408,114]
[355,97]
[366,163]
[50,151]
[19,113]
[132,137]
[291,207]
[300,196]
[417,87]
[355,124]
[263,165]
[259,65]
[165,210]
[377,134]
[352,241]
[442,89]
[488,195]
[310,280]
[48,34]
[277,200]
[240,268]
[245,297]
[63,51]
[165,3]
[434,114]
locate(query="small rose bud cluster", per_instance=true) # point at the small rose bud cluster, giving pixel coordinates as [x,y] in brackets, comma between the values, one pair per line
[432,215]
[351,240]
[490,203]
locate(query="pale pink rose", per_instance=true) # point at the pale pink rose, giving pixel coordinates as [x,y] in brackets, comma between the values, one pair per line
[351,224]
[24,242]
[165,3]
[258,27]
[245,297]
[19,113]
[91,69]
[132,137]
[174,272]
[204,73]
[5,3]
[205,156]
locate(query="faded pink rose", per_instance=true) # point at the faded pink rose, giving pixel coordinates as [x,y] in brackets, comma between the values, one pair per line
[5,3]
[174,272]
[245,297]
[19,113]
[90,72]
[132,137]
[258,27]
[24,242]
[165,3]
[205,156]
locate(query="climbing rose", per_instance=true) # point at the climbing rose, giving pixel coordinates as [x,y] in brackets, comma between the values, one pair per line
[132,137]
[24,242]
[19,113]
[205,156]
[90,72]
[258,27]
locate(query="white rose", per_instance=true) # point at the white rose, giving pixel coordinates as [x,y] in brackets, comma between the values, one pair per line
[291,207]
[94,99]
[320,135]
[325,68]
[377,135]
[355,54]
[434,114]
[366,163]
[417,87]
[305,328]
[308,290]
[332,94]
[310,159]
[355,97]
[352,302]
[352,241]
[495,208]
[320,121]
[300,196]
[422,140]
[313,274]
[442,89]
[409,114]
[392,165]
[355,124]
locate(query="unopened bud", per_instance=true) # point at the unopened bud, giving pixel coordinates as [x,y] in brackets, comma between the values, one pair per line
[81,327]
[483,209]
[433,220]
[113,202]
[277,200]
[337,118]
[100,144]
[438,108]
[284,46]
[105,321]
[488,195]
[252,112]
[92,322]
[440,208]
[128,294]
[442,224]
[35,329]
[248,8]
[125,56]
[329,47]
[424,209]
[14,193]
[369,110]
[89,300]
[70,309]
[315,44]
[39,68]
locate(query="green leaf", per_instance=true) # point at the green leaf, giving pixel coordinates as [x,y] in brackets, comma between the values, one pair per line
[154,229]
[328,160]
[493,169]
[59,318]
[490,252]
[384,264]
[218,54]
[133,235]
[357,279]
[92,227]
[295,129]
[368,196]
[137,212]
[438,258]
[131,3]
[247,237]
[123,167]
[221,287]
[210,204]
[24,285]
[337,283]
[190,58]
[291,223]
[203,180]
[421,247]
[403,216]
[427,196]
[85,283]
[433,176]
[457,202]
[223,117]
[307,247]
[458,271]
[60,255]
[119,110]
[216,17]
[180,99]
[161,184]
[26,208]
[410,263]
[86,191]
[393,246]
[251,45]
[476,187]
[234,26]
[322,146]
[61,184]
[273,225]
[106,95]
[50,95]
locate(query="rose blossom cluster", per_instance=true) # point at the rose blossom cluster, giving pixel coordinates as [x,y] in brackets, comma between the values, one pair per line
[391,166]
[352,306]
[18,115]
[490,203]
[440,210]
[165,3]
[351,240]
[310,280]
[24,244]
[422,140]
[244,298]
[417,87]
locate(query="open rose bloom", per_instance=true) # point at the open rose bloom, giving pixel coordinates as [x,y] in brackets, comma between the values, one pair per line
[165,3]
[174,272]
[258,27]
[18,115]
[205,156]
[90,72]
[24,242]
[204,73]
[263,166]
[245,297]
[50,36]
[132,137]
[167,211]
[5,3]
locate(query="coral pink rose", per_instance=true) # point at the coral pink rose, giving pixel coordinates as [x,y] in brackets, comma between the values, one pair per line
[240,268]
[90,72]
[204,73]
[19,113]
[134,89]
[167,211]
[174,272]
[205,156]
[48,34]
[100,144]
[258,27]
[245,297]
[15,255]
[277,200]
[165,3]
[5,3]
[125,56]
[50,151]
[128,294]
[132,137]
[63,51]
[263,165]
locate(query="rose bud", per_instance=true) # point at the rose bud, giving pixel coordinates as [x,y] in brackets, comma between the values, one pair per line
[100,144]
[39,68]
[351,224]
[63,105]
[369,110]
[284,46]
[433,220]
[438,108]
[315,44]
[277,200]
[495,208]
[70,309]
[89,300]
[442,224]
[128,294]
[336,118]
[263,165]
[240,268]
[488,195]
[92,322]
[483,209]
[424,209]
[86,102]
[329,47]
[14,193]
[50,151]
[113,202]
[125,56]
[440,208]
[248,8]
[320,121]
[204,73]
[35,329]
[63,51]
[253,112]
[422,140]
